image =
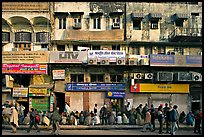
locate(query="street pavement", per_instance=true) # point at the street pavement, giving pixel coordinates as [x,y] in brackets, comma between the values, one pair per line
[96,132]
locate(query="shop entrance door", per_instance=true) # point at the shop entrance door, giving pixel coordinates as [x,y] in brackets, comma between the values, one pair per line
[60,101]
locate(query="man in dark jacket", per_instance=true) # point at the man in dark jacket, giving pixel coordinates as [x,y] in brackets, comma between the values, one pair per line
[166,115]
[198,117]
[173,117]
[56,118]
[103,114]
[33,121]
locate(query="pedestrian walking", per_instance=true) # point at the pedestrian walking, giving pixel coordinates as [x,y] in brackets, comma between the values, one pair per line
[173,117]
[166,115]
[56,118]
[160,119]
[14,119]
[67,109]
[147,123]
[139,114]
[119,119]
[128,109]
[153,116]
[144,110]
[32,121]
[198,117]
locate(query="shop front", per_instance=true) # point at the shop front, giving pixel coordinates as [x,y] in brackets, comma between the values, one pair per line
[83,96]
[157,94]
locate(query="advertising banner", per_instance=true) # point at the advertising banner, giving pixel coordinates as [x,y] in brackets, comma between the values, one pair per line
[20,92]
[25,57]
[194,60]
[142,59]
[58,74]
[115,94]
[68,57]
[160,88]
[111,54]
[94,87]
[24,69]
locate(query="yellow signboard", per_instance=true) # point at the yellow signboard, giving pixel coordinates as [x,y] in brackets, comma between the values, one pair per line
[38,90]
[157,88]
[25,57]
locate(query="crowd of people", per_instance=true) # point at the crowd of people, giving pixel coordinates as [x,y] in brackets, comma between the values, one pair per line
[144,116]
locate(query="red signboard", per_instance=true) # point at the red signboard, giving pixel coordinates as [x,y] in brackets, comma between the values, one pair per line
[24,69]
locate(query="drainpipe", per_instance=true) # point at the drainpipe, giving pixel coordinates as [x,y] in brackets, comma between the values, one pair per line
[125,37]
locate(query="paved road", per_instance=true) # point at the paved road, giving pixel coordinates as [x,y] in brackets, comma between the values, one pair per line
[96,132]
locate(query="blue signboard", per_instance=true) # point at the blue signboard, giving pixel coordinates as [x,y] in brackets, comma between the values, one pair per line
[194,59]
[115,94]
[95,87]
[159,60]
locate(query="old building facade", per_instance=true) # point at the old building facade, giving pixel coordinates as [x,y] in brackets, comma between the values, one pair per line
[112,52]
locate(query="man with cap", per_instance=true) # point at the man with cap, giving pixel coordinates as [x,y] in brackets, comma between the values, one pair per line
[14,119]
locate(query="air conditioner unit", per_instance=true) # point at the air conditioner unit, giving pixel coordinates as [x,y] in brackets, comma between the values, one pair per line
[14,49]
[120,61]
[138,76]
[116,25]
[197,77]
[104,61]
[148,75]
[164,76]
[133,62]
[184,76]
[92,61]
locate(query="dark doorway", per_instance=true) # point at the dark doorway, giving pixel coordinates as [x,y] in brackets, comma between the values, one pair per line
[195,106]
[26,105]
[60,101]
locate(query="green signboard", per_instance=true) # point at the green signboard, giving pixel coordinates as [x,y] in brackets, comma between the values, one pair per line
[41,103]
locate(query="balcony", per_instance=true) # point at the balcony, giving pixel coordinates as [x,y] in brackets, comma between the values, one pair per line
[186,35]
[103,35]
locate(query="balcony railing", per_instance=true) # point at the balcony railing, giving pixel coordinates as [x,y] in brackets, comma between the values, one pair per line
[186,32]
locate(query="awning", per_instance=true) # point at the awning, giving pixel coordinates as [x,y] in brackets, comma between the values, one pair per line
[61,13]
[137,15]
[76,13]
[96,14]
[155,15]
[6,90]
[180,15]
[115,13]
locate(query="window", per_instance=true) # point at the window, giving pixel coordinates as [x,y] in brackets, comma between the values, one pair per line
[77,23]
[44,46]
[60,47]
[154,24]
[179,23]
[180,50]
[97,77]
[23,36]
[148,50]
[135,50]
[42,37]
[62,23]
[116,78]
[161,50]
[5,36]
[96,47]
[23,46]
[97,23]
[116,22]
[77,77]
[115,47]
[136,24]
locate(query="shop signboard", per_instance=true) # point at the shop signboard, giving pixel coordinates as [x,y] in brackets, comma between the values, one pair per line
[159,88]
[161,60]
[95,87]
[111,54]
[194,60]
[68,57]
[113,94]
[20,92]
[58,74]
[142,59]
[24,69]
[40,103]
[41,91]
[24,57]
